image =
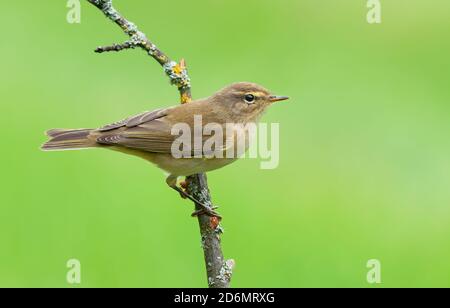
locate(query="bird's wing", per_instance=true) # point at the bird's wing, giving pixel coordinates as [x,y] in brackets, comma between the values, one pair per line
[136,120]
[148,131]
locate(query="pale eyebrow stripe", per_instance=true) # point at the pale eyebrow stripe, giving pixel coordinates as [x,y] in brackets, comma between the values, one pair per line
[257,93]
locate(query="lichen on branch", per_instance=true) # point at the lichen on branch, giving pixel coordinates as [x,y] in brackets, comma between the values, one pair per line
[218,270]
[177,72]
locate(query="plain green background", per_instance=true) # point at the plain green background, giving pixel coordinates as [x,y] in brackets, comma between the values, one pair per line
[365,152]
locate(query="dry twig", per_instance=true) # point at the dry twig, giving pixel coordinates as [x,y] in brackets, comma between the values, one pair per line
[218,270]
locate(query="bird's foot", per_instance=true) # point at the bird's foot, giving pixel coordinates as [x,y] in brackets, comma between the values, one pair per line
[184,187]
[205,209]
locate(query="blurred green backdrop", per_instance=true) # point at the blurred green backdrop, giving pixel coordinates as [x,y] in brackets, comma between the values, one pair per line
[365,152]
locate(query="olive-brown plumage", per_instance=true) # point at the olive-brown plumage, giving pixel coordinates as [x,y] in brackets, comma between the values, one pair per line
[148,135]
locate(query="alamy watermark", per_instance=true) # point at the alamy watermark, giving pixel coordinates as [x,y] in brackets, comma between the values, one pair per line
[74,273]
[74,14]
[227,141]
[374,273]
[374,14]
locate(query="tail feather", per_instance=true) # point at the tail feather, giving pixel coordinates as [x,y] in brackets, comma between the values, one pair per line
[57,131]
[68,139]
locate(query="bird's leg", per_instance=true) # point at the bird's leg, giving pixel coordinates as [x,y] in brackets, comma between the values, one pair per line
[184,186]
[210,211]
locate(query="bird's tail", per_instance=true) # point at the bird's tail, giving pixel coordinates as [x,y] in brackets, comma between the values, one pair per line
[68,139]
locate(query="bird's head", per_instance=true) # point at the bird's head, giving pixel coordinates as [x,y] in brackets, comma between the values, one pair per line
[245,101]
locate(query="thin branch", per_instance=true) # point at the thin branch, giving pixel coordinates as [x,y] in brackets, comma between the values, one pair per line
[218,271]
[115,47]
[175,71]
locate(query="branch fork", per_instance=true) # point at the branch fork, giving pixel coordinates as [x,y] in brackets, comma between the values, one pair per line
[139,39]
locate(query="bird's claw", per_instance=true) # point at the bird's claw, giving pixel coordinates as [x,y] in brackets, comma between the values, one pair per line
[184,187]
[205,210]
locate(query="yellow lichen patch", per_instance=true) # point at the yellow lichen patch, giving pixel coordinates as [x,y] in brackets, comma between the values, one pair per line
[185,98]
[177,69]
[180,67]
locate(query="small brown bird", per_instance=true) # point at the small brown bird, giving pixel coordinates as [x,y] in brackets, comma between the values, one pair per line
[149,135]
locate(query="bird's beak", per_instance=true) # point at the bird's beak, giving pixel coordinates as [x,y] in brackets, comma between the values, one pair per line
[275,98]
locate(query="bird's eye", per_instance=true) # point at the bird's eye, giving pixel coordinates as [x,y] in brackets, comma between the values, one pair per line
[249,98]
